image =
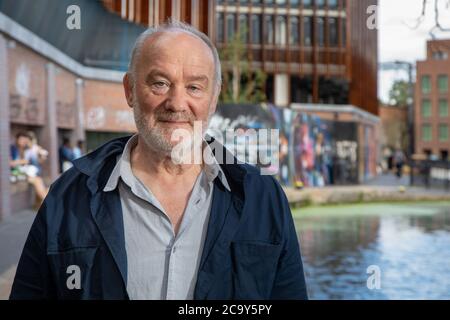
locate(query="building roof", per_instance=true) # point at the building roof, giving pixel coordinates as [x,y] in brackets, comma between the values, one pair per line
[104,40]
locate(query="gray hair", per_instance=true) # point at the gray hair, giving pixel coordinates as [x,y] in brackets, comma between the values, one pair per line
[174,25]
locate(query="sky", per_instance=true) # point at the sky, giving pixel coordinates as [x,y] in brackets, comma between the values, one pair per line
[399,40]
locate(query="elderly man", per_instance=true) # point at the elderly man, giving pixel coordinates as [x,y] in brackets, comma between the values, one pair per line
[129,222]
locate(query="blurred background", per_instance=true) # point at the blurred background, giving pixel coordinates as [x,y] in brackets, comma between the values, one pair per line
[358,89]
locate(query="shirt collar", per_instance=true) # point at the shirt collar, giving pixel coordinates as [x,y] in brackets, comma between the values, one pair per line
[122,169]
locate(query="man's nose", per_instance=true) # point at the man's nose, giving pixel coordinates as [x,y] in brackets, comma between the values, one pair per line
[177,99]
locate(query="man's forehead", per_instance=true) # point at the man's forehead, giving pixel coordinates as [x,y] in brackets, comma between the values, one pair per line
[176,42]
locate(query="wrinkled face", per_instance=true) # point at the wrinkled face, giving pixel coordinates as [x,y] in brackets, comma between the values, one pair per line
[173,85]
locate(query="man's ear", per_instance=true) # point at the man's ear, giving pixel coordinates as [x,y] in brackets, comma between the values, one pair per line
[128,88]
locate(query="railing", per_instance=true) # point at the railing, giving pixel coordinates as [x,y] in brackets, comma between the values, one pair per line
[431,174]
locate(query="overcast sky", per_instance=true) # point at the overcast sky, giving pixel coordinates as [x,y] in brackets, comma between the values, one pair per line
[398,40]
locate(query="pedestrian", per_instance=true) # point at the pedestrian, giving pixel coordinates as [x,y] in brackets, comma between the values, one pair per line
[399,160]
[138,224]
[78,150]
[65,155]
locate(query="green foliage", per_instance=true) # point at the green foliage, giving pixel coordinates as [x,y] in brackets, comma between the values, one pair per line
[241,83]
[399,94]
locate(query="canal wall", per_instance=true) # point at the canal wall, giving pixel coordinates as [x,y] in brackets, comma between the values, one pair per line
[360,194]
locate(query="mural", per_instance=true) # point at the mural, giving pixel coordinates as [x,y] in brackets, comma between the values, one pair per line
[311,152]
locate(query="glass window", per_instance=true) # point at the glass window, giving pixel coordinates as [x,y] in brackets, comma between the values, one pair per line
[230,26]
[426,132]
[220,27]
[344,31]
[294,32]
[280,35]
[321,31]
[333,31]
[443,83]
[256,1]
[294,3]
[426,108]
[268,1]
[320,4]
[307,29]
[268,24]
[443,132]
[256,28]
[426,84]
[333,4]
[243,27]
[443,107]
[307,3]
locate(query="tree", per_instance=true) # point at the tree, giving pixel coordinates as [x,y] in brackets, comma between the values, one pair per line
[399,94]
[242,84]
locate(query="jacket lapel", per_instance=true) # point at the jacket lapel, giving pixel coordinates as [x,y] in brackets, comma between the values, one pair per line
[226,211]
[107,213]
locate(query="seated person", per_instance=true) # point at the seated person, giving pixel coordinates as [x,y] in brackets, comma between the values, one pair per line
[21,163]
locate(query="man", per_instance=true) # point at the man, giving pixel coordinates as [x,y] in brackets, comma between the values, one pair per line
[127,221]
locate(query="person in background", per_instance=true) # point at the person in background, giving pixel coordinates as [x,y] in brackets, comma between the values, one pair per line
[65,155]
[35,154]
[19,162]
[78,150]
[399,160]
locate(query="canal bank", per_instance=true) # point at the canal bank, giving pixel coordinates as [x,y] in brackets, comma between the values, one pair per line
[362,194]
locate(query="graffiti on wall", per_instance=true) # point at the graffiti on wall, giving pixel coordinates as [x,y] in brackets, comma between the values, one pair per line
[24,110]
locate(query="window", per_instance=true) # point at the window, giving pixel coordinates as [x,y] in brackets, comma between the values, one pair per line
[443,83]
[256,1]
[426,84]
[243,27]
[344,31]
[294,3]
[333,31]
[321,31]
[230,26]
[280,35]
[294,34]
[268,1]
[256,28]
[443,132]
[307,3]
[426,108]
[268,24]
[440,55]
[443,108]
[333,4]
[280,2]
[426,132]
[307,29]
[320,4]
[220,27]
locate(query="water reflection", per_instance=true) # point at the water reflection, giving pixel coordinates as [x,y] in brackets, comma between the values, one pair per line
[409,243]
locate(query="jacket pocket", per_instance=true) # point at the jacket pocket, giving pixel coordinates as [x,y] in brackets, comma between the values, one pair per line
[72,271]
[254,268]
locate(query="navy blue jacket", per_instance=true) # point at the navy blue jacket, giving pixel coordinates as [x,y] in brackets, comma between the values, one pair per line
[251,249]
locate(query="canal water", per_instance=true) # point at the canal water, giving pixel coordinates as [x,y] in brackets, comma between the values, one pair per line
[376,251]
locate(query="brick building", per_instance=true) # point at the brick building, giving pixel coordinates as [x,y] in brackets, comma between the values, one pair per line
[432,96]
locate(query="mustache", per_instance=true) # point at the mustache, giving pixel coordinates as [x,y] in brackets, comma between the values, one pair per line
[165,115]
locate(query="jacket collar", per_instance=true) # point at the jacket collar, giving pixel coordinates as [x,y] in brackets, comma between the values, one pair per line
[98,164]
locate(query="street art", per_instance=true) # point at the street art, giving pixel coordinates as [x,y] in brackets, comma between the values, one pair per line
[311,151]
[96,117]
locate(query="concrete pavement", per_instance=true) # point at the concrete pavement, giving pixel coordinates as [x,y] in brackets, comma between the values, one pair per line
[13,233]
